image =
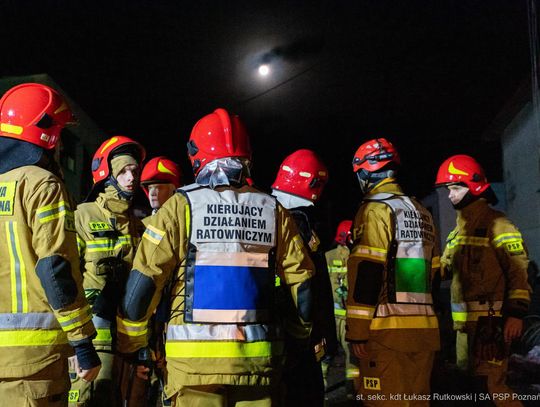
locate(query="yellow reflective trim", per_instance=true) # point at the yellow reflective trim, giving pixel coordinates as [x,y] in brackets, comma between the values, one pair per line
[79,318]
[109,143]
[156,230]
[131,328]
[370,253]
[81,245]
[153,234]
[125,322]
[468,241]
[33,338]
[150,238]
[360,312]
[77,324]
[53,211]
[436,262]
[103,335]
[127,332]
[340,312]
[405,322]
[455,171]
[105,244]
[188,219]
[499,240]
[471,315]
[11,128]
[13,272]
[162,168]
[24,289]
[519,294]
[351,373]
[205,349]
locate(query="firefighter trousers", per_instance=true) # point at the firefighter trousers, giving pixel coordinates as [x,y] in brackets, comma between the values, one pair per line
[490,375]
[392,378]
[216,395]
[48,387]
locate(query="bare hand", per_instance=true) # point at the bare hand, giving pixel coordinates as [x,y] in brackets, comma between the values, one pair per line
[142,372]
[85,375]
[513,327]
[90,374]
[359,350]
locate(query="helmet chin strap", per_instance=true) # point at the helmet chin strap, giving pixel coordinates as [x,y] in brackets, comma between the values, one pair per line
[368,180]
[465,201]
[125,195]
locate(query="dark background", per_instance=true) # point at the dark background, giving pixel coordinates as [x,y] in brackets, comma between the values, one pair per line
[428,75]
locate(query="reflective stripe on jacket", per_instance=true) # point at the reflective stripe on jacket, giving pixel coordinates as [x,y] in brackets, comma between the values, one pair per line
[106,228]
[487,258]
[36,224]
[396,232]
[198,354]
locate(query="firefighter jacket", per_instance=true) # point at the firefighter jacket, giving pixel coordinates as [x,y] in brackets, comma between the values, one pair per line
[42,307]
[323,322]
[219,250]
[336,260]
[488,261]
[390,269]
[107,236]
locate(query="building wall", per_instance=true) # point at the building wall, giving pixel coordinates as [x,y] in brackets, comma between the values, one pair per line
[521,163]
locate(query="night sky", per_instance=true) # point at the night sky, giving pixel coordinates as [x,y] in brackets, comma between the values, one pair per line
[428,75]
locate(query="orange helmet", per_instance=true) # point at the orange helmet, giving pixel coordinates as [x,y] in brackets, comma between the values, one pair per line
[302,173]
[343,232]
[217,135]
[374,155]
[160,170]
[34,113]
[116,145]
[462,169]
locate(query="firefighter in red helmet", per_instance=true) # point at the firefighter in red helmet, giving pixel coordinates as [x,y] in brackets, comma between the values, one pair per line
[336,260]
[108,233]
[298,186]
[487,258]
[44,314]
[390,318]
[224,338]
[159,179]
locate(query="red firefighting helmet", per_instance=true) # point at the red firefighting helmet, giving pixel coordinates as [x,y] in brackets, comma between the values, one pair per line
[217,135]
[116,145]
[302,173]
[34,113]
[462,169]
[374,155]
[343,232]
[160,170]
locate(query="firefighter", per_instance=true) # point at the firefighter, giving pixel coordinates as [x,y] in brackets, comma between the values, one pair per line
[390,318]
[44,315]
[107,234]
[219,242]
[336,260]
[298,186]
[160,178]
[487,258]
